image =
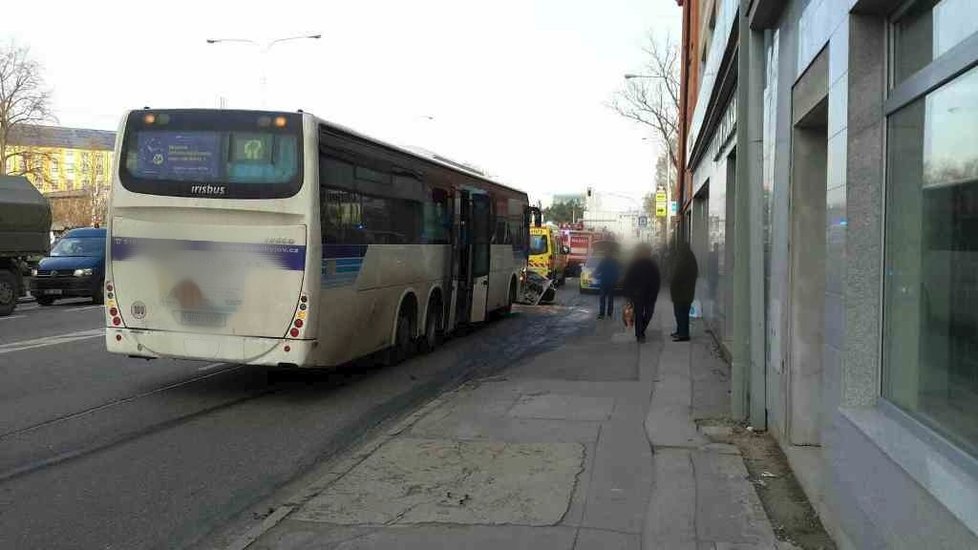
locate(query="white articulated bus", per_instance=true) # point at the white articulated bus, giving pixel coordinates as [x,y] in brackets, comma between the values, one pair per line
[274,238]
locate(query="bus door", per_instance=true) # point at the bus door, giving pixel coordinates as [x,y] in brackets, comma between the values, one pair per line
[461,259]
[480,237]
[472,257]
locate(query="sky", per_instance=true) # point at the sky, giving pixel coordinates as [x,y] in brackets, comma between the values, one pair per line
[517,87]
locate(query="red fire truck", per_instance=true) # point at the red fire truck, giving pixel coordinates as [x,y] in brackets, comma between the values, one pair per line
[579,240]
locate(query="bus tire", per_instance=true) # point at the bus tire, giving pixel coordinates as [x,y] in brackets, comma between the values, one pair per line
[403,343]
[432,326]
[8,292]
[511,299]
[404,334]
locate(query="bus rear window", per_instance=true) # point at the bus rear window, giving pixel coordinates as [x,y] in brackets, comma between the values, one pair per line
[219,154]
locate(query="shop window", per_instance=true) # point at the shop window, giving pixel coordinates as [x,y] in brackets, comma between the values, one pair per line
[928,30]
[930,317]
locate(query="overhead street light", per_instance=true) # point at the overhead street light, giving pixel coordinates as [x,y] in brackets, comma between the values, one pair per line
[629,76]
[265,47]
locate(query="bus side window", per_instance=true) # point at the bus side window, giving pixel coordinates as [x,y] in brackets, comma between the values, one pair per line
[437,223]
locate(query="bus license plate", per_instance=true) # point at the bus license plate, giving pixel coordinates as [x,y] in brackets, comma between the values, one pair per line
[202,318]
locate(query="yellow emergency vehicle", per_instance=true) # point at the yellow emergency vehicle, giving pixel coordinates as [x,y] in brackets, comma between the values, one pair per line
[548,255]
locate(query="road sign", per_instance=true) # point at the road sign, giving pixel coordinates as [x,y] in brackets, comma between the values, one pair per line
[661,204]
[673,208]
[643,221]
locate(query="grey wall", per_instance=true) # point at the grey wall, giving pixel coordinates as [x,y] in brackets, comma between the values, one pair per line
[711,235]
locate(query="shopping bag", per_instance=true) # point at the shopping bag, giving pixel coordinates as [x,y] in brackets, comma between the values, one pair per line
[628,314]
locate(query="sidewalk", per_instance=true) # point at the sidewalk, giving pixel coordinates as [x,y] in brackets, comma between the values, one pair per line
[591,445]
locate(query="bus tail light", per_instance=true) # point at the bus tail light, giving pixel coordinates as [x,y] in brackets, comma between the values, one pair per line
[298,321]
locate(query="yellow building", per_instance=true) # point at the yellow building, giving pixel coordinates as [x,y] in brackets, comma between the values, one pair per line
[64,159]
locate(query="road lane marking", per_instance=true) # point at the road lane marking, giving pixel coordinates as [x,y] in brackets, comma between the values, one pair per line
[11,317]
[51,340]
[83,308]
[211,366]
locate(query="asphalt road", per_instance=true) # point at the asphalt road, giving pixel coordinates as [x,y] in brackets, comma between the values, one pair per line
[103,451]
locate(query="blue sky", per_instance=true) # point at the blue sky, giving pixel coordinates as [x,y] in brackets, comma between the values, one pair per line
[517,87]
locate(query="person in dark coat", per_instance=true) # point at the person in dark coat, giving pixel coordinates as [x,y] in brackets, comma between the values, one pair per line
[608,272]
[682,288]
[642,282]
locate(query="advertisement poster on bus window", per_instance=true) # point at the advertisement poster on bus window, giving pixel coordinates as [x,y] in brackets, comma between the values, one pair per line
[178,155]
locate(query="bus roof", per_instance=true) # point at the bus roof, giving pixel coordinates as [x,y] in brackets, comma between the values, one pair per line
[419,154]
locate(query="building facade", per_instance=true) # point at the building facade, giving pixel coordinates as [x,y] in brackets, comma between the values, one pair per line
[70,166]
[830,193]
[62,159]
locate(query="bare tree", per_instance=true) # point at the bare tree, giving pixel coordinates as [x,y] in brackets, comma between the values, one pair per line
[25,102]
[94,182]
[652,97]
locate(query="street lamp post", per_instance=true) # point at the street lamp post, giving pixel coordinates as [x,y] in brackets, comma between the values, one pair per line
[265,47]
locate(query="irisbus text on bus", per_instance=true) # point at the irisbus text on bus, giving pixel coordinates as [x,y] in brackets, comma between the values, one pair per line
[274,238]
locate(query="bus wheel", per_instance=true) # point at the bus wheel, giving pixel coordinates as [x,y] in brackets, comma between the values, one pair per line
[432,329]
[402,340]
[8,292]
[512,297]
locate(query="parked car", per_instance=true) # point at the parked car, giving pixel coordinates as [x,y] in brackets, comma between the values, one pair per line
[589,282]
[74,268]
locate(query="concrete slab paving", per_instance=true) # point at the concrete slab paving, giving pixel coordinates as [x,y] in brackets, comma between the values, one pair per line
[505,428]
[597,539]
[670,519]
[428,537]
[575,511]
[443,481]
[591,445]
[564,407]
[607,362]
[621,480]
[669,422]
[727,507]
[300,535]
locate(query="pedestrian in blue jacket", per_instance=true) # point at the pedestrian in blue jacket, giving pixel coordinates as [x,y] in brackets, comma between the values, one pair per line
[607,273]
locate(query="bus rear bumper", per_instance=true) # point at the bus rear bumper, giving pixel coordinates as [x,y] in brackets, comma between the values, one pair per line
[246,350]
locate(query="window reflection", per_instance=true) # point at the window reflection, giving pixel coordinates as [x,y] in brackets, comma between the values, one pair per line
[929,30]
[931,277]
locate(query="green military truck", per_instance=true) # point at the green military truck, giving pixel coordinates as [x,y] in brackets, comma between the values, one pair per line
[25,229]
